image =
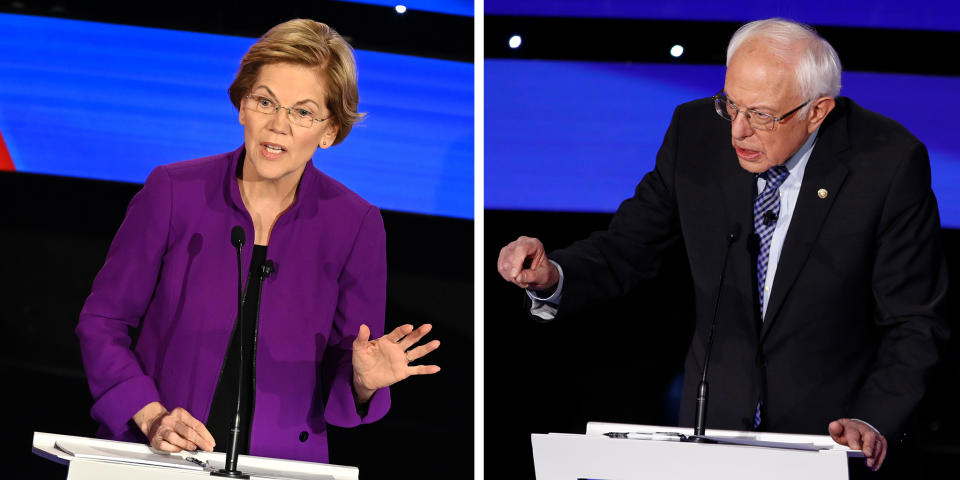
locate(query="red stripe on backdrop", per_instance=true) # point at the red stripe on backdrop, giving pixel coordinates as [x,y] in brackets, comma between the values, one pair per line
[6,163]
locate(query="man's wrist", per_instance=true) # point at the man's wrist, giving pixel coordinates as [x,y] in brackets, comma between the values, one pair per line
[552,294]
[545,293]
[875,429]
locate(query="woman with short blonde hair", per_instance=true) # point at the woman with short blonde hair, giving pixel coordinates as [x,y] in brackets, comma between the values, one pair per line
[310,304]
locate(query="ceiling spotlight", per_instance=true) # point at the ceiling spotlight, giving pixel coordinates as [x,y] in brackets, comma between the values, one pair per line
[401,9]
[515,41]
[676,51]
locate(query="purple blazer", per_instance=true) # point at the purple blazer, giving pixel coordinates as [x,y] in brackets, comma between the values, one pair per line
[172,272]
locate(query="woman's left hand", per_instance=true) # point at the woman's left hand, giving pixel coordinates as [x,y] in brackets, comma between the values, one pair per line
[382,362]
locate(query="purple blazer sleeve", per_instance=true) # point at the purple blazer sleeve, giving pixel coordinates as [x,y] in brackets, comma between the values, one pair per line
[361,300]
[120,295]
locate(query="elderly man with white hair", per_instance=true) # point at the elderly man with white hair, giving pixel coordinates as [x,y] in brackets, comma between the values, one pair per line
[814,241]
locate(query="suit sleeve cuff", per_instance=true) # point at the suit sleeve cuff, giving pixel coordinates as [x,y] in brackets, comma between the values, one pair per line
[341,409]
[115,408]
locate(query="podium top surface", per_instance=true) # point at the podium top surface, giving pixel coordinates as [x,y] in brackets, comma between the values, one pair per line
[818,442]
[45,445]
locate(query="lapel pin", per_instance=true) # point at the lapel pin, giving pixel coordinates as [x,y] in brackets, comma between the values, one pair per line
[822,193]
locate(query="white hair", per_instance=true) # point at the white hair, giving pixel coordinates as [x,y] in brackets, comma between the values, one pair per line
[817,63]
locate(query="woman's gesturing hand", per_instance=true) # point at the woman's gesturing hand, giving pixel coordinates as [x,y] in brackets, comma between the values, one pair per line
[382,362]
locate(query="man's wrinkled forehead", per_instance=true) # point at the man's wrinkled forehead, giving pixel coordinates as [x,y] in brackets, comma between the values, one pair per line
[758,79]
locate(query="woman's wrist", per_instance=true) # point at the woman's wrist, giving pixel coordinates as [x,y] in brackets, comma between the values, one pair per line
[147,415]
[361,393]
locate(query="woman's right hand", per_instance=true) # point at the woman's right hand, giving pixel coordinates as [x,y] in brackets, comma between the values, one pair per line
[172,431]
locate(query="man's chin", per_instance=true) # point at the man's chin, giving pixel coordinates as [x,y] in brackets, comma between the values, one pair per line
[753,165]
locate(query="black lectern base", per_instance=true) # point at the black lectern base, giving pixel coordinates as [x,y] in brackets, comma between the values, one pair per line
[698,439]
[227,474]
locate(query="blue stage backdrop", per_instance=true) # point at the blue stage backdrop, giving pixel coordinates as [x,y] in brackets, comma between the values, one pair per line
[112,101]
[451,7]
[578,136]
[915,15]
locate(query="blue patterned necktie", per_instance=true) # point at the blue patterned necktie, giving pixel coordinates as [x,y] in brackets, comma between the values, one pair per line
[766,209]
[764,223]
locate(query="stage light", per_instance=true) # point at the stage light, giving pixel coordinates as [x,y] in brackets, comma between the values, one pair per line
[676,51]
[515,41]
[401,9]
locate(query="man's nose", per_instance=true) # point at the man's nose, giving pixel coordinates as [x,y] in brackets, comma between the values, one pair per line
[740,127]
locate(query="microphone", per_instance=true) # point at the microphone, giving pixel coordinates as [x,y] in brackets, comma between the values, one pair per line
[267,268]
[700,418]
[237,238]
[769,218]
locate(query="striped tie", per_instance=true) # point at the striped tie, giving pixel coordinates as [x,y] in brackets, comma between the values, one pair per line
[766,209]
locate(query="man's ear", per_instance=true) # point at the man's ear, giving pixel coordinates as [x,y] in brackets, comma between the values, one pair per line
[818,112]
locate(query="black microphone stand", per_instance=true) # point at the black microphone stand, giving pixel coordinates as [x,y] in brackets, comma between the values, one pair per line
[700,418]
[237,238]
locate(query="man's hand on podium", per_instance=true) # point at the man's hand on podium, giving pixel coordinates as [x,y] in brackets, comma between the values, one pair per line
[859,435]
[172,431]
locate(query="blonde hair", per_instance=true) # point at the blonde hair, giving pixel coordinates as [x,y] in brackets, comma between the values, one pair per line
[311,44]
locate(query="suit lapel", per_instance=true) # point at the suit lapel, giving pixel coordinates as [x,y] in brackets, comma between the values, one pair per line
[737,190]
[826,170]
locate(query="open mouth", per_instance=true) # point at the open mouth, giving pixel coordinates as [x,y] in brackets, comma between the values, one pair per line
[272,150]
[747,154]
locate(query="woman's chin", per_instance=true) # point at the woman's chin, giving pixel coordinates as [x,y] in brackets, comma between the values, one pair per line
[278,172]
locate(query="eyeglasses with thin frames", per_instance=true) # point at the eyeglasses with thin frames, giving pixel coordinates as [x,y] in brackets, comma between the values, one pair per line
[299,116]
[757,120]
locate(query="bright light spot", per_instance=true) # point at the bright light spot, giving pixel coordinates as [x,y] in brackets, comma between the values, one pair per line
[676,51]
[401,8]
[515,41]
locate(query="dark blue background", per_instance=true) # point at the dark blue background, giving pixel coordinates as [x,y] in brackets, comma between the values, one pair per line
[452,7]
[566,135]
[919,14]
[577,136]
[112,101]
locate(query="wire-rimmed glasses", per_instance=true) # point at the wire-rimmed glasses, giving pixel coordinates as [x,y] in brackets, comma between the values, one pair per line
[299,116]
[757,120]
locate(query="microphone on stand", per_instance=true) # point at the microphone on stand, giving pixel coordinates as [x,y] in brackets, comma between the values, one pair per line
[700,418]
[769,218]
[237,238]
[267,269]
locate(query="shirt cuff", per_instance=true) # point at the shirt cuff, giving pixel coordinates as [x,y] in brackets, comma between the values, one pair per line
[546,308]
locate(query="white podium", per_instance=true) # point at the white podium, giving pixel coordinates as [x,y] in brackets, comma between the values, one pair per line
[766,456]
[139,461]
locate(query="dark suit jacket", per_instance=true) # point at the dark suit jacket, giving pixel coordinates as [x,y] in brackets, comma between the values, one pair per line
[854,322]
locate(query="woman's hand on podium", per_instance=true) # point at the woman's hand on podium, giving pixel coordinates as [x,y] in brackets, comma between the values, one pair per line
[382,362]
[172,431]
